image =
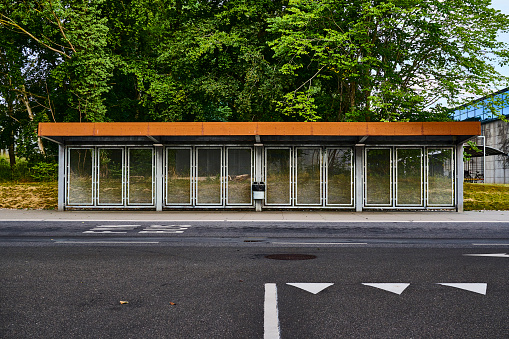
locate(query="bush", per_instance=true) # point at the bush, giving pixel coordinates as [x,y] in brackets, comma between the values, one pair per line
[20,172]
[44,171]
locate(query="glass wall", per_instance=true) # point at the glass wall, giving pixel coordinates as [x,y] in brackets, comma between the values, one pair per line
[309,179]
[277,167]
[111,183]
[209,176]
[378,176]
[79,176]
[409,177]
[178,176]
[440,177]
[339,176]
[141,182]
[239,167]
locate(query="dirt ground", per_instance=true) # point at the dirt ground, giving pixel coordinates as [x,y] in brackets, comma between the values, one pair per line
[41,195]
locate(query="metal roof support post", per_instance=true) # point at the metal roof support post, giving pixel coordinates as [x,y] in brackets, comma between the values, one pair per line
[62,164]
[258,173]
[459,177]
[358,178]
[159,168]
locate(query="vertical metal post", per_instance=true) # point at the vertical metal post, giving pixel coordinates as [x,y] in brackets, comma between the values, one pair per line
[62,164]
[459,177]
[159,169]
[258,173]
[358,178]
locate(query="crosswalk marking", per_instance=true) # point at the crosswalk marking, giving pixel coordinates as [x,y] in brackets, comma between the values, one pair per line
[112,229]
[153,229]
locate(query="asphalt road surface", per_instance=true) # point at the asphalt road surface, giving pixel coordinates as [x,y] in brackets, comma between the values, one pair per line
[73,279]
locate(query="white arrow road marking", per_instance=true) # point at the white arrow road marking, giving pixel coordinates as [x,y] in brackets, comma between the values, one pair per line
[311,287]
[499,255]
[397,288]
[270,316]
[472,287]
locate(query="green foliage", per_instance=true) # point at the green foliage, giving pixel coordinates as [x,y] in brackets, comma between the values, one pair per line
[43,171]
[19,173]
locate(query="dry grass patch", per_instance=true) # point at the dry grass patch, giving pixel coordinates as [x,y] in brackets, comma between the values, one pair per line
[40,195]
[486,196]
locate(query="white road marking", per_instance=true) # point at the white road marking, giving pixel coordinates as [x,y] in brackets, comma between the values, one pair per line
[319,243]
[158,229]
[472,287]
[112,229]
[107,242]
[311,287]
[499,255]
[490,244]
[270,314]
[396,288]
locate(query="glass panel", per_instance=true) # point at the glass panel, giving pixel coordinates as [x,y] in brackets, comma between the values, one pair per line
[140,176]
[80,176]
[239,176]
[339,176]
[409,172]
[178,176]
[308,176]
[278,176]
[440,177]
[110,176]
[378,176]
[209,176]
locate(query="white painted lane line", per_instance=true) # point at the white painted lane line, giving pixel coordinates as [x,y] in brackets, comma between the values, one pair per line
[490,244]
[103,231]
[159,232]
[311,287]
[472,287]
[396,288]
[499,255]
[319,243]
[159,229]
[112,229]
[106,242]
[270,314]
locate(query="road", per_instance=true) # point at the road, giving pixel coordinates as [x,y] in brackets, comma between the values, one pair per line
[215,279]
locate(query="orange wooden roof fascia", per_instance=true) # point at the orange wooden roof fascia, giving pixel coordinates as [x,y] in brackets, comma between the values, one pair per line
[106,129]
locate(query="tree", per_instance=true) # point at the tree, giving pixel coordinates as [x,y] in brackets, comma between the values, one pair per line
[386,60]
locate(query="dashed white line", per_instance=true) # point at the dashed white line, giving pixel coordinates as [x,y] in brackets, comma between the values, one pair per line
[106,242]
[319,243]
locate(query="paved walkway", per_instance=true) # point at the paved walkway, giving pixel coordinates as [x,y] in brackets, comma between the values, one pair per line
[289,216]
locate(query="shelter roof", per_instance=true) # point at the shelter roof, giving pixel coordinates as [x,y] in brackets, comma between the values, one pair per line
[343,132]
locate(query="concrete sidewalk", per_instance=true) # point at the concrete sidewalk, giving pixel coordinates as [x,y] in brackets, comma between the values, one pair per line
[288,216]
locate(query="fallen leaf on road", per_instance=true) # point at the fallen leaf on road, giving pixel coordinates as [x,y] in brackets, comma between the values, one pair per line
[172,303]
[122,302]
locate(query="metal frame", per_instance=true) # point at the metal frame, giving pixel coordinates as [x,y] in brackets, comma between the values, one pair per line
[391,170]
[124,181]
[290,174]
[68,177]
[221,179]
[226,157]
[396,163]
[453,176]
[352,177]
[191,178]
[296,176]
[128,173]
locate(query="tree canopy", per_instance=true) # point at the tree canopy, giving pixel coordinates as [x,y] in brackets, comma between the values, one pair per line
[242,60]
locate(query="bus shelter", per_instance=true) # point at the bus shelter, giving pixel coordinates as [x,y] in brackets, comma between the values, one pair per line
[261,165]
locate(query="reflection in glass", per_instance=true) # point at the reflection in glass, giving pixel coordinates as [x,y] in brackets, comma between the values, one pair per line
[209,176]
[440,177]
[278,176]
[178,176]
[308,176]
[339,176]
[239,176]
[409,176]
[80,176]
[378,176]
[110,176]
[140,176]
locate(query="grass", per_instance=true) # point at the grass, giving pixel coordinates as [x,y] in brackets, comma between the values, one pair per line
[486,197]
[43,195]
